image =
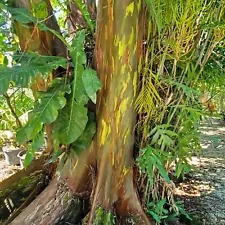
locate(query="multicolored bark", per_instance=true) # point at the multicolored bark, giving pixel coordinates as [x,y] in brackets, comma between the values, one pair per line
[117,60]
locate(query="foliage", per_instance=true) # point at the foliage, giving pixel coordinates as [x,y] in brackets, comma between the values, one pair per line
[103,217]
[182,39]
[162,215]
[62,101]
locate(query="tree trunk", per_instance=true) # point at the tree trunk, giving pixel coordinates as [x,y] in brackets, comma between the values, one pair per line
[117,62]
[103,173]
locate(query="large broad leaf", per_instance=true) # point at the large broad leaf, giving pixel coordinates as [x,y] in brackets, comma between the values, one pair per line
[79,59]
[45,111]
[79,92]
[29,66]
[38,142]
[4,81]
[22,15]
[77,52]
[85,139]
[70,123]
[91,83]
[28,132]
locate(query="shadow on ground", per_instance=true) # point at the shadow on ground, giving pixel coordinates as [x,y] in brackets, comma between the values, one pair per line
[204,191]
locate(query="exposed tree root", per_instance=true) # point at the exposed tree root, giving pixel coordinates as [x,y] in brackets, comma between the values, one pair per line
[36,165]
[55,205]
[16,197]
[19,190]
[66,200]
[40,185]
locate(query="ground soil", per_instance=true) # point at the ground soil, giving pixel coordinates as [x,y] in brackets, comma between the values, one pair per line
[6,170]
[204,191]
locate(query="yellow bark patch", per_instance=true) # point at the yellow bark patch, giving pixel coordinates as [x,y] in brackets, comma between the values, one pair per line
[121,110]
[139,5]
[125,170]
[125,85]
[135,83]
[123,68]
[113,159]
[106,130]
[116,40]
[113,64]
[117,122]
[122,47]
[130,9]
[106,33]
[123,106]
[115,103]
[125,135]
[131,39]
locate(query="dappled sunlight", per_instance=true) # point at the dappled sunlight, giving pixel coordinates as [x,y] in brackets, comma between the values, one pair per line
[195,188]
[205,146]
[209,132]
[203,161]
[204,191]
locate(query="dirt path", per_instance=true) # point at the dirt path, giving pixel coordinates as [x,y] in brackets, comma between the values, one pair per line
[204,192]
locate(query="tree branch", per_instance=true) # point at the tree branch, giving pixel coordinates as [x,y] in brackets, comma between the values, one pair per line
[18,122]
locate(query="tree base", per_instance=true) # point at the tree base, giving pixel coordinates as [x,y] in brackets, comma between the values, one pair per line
[55,205]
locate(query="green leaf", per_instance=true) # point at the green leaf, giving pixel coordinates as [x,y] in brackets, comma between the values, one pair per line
[22,15]
[161,203]
[79,59]
[85,13]
[91,83]
[179,169]
[79,93]
[39,9]
[4,81]
[155,138]
[85,139]
[29,157]
[157,163]
[23,74]
[55,155]
[42,26]
[71,122]
[155,216]
[62,162]
[77,52]
[37,143]
[45,111]
[28,132]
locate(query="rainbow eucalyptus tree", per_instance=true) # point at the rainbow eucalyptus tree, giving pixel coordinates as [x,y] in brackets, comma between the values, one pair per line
[103,172]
